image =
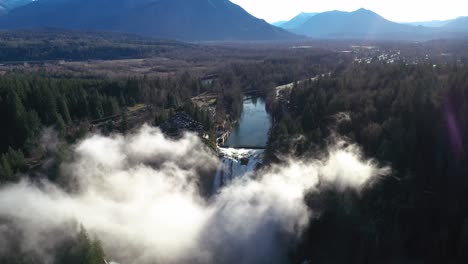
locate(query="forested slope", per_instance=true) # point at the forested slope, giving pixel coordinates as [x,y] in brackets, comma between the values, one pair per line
[411,117]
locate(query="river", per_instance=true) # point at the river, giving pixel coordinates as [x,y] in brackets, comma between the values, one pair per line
[252,129]
[245,147]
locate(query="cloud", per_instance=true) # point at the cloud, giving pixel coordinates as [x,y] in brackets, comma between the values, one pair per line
[140,194]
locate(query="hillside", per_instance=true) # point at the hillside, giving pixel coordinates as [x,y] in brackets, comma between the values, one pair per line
[8,5]
[297,21]
[175,19]
[361,23]
[460,23]
[433,23]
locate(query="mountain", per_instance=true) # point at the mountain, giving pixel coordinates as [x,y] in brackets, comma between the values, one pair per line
[279,23]
[457,23]
[7,5]
[360,24]
[460,23]
[433,23]
[297,21]
[175,19]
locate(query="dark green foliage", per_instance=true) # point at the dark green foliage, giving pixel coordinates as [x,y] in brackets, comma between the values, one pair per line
[124,121]
[263,76]
[410,116]
[95,105]
[16,159]
[5,169]
[12,162]
[30,102]
[38,45]
[110,106]
[60,125]
[79,248]
[63,110]
[62,247]
[83,250]
[198,114]
[160,118]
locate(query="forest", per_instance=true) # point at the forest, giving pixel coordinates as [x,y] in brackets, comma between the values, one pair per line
[56,44]
[409,116]
[75,249]
[30,103]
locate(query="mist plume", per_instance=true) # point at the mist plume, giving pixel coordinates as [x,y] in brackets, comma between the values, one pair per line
[140,195]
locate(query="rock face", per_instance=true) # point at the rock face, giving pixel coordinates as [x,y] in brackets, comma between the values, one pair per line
[175,19]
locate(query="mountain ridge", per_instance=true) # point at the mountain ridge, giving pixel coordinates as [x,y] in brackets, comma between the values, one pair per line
[458,23]
[8,5]
[295,21]
[432,23]
[195,20]
[361,24]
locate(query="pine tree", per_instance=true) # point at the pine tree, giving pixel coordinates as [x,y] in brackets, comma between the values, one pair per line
[16,123]
[95,254]
[64,111]
[48,105]
[16,160]
[82,104]
[33,130]
[114,105]
[122,100]
[96,106]
[83,250]
[60,125]
[5,169]
[124,121]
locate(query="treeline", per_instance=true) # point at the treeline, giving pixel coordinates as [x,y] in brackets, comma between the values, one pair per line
[55,44]
[260,78]
[78,248]
[412,117]
[28,103]
[230,94]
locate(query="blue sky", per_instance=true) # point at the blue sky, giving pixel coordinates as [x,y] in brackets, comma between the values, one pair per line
[396,10]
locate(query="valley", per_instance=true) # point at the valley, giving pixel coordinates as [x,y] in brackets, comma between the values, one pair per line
[193,131]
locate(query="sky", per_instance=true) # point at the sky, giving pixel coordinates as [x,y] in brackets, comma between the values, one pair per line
[395,10]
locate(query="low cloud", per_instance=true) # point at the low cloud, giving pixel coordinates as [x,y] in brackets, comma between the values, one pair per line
[140,195]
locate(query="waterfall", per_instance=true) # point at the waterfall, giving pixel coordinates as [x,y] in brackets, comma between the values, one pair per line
[245,146]
[236,163]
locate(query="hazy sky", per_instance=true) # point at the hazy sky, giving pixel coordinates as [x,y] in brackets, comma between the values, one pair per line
[396,10]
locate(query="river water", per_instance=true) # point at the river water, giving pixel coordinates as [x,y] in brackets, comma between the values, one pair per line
[245,147]
[252,129]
